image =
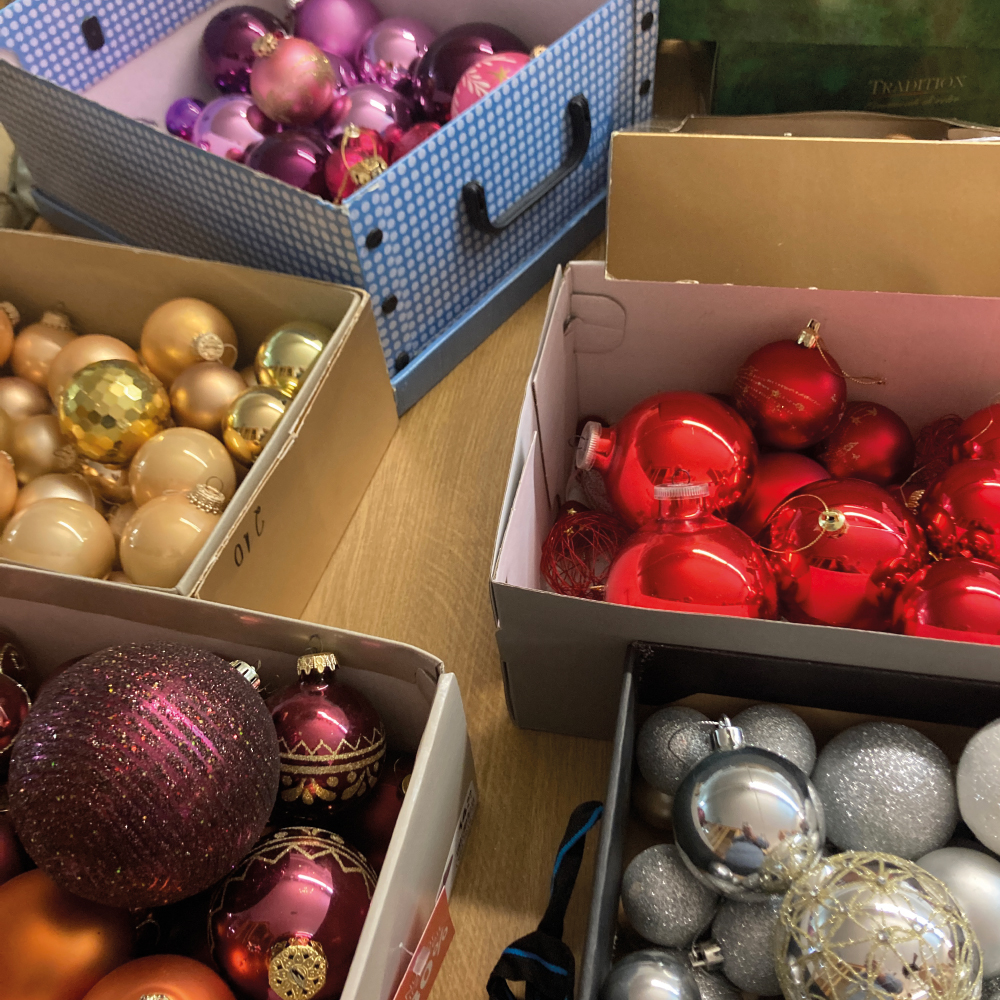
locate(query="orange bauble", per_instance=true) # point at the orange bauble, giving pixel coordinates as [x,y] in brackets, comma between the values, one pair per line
[169,976]
[55,946]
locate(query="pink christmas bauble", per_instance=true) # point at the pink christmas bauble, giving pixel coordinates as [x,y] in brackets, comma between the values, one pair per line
[292,80]
[391,51]
[336,26]
[230,125]
[482,77]
[369,106]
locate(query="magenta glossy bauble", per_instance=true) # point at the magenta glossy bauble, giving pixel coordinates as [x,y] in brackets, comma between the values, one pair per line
[336,26]
[293,156]
[227,45]
[369,106]
[391,51]
[229,126]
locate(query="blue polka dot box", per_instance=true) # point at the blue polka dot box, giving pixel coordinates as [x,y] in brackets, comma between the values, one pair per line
[449,241]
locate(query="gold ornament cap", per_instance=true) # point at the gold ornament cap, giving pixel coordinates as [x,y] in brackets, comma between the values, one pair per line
[55,318]
[833,521]
[316,663]
[209,346]
[297,969]
[809,337]
[154,996]
[538,50]
[265,45]
[11,310]
[207,498]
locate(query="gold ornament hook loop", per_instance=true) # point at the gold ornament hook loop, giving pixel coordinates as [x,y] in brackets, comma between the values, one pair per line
[810,338]
[831,522]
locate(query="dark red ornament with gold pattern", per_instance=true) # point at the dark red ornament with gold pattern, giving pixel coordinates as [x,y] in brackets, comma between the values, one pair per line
[286,923]
[358,157]
[331,740]
[871,442]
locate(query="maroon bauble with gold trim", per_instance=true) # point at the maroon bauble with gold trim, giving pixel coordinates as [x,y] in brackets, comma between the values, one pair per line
[286,923]
[331,740]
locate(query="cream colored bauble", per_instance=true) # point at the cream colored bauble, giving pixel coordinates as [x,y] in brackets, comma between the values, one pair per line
[177,460]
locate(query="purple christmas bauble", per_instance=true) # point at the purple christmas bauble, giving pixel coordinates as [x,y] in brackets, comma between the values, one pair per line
[450,55]
[369,106]
[345,75]
[181,116]
[227,45]
[391,51]
[293,156]
[230,125]
[143,774]
[336,26]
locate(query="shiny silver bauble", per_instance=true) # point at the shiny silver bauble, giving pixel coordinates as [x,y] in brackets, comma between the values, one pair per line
[651,974]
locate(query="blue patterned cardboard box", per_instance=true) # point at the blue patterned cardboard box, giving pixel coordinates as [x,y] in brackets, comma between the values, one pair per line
[89,123]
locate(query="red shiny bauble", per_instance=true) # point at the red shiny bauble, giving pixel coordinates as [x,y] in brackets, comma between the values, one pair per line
[670,437]
[961,511]
[359,155]
[792,395]
[331,739]
[978,436]
[779,474]
[171,977]
[841,550]
[870,442]
[291,915]
[408,141]
[691,560]
[953,599]
[578,551]
[13,859]
[370,827]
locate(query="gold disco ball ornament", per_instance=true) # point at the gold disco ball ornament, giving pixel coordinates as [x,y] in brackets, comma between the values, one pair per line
[250,420]
[867,926]
[285,358]
[110,409]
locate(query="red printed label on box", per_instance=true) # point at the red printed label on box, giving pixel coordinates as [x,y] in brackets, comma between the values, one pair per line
[431,949]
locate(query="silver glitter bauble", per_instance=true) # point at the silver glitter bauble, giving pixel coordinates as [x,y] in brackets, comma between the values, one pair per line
[747,821]
[663,901]
[669,744]
[991,989]
[744,932]
[651,974]
[978,781]
[781,731]
[653,806]
[886,788]
[714,985]
[973,878]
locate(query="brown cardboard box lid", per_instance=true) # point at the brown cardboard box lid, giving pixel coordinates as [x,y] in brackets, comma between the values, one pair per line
[819,200]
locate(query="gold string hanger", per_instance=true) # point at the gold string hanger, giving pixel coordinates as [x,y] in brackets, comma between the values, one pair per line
[831,522]
[810,337]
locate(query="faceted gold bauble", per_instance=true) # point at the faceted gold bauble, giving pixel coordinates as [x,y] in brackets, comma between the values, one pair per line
[863,926]
[39,447]
[111,408]
[8,486]
[21,399]
[109,482]
[177,460]
[286,356]
[182,332]
[83,351]
[67,485]
[250,421]
[36,347]
[202,394]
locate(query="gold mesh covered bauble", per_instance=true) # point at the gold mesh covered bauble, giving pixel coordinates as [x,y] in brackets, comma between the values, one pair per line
[111,408]
[286,357]
[867,926]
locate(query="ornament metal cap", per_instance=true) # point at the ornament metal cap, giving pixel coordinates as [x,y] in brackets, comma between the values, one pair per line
[11,310]
[833,521]
[248,673]
[55,318]
[681,491]
[707,955]
[809,337]
[316,663]
[726,736]
[154,996]
[207,498]
[586,448]
[209,346]
[265,45]
[297,970]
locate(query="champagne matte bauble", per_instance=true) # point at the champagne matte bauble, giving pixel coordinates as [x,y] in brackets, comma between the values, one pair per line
[177,460]
[83,351]
[6,431]
[65,485]
[8,486]
[39,447]
[202,394]
[36,347]
[109,482]
[21,399]
[182,332]
[9,318]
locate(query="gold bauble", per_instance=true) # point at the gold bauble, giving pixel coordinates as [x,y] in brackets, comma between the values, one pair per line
[9,318]
[177,460]
[285,358]
[20,398]
[250,420]
[109,482]
[36,347]
[118,576]
[8,486]
[83,351]
[39,447]
[202,394]
[249,377]
[182,332]
[64,485]
[63,535]
[111,408]
[6,431]
[118,517]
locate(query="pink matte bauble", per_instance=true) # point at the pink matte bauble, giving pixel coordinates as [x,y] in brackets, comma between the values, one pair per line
[411,138]
[961,511]
[485,76]
[870,442]
[292,82]
[336,26]
[779,474]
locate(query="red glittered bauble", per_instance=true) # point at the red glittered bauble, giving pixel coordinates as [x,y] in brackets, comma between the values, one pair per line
[143,774]
[841,550]
[691,560]
[578,551]
[979,436]
[961,511]
[952,599]
[331,738]
[870,442]
[791,394]
[359,155]
[779,474]
[674,436]
[161,977]
[290,917]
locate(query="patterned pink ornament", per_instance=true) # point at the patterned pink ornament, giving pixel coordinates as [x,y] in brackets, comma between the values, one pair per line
[482,77]
[292,80]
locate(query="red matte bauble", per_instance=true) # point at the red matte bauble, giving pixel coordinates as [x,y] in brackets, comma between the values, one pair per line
[841,551]
[331,739]
[673,436]
[870,442]
[579,549]
[172,977]
[955,599]
[691,560]
[792,396]
[359,155]
[978,436]
[292,915]
[370,828]
[779,474]
[13,860]
[961,511]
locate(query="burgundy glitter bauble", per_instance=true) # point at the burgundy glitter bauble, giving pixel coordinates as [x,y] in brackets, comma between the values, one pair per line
[287,922]
[871,442]
[295,157]
[143,774]
[227,45]
[332,741]
[360,156]
[961,511]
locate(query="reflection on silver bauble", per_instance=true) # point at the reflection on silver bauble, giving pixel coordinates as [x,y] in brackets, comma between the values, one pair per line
[653,806]
[886,788]
[715,986]
[991,989]
[868,926]
[744,932]
[669,744]
[748,822]
[978,782]
[650,974]
[663,901]
[781,731]
[973,878]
